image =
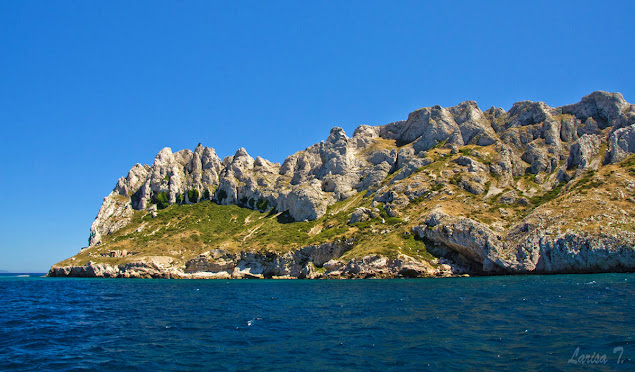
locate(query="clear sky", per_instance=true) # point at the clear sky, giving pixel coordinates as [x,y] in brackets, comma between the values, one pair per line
[89,88]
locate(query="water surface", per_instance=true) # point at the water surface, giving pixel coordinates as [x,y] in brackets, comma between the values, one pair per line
[507,322]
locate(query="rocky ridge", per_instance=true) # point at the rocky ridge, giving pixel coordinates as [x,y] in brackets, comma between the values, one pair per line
[471,191]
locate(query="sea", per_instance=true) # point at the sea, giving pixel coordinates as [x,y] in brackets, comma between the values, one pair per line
[555,322]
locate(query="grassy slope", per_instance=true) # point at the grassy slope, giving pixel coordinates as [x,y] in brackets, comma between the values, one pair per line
[185,231]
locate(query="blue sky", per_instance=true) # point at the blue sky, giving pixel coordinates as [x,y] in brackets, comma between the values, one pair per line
[89,88]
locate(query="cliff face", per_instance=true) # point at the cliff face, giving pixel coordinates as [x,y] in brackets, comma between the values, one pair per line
[534,189]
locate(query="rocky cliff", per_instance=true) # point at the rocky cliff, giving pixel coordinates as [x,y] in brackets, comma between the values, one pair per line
[448,191]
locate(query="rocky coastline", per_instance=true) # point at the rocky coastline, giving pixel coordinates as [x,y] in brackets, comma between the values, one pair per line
[447,192]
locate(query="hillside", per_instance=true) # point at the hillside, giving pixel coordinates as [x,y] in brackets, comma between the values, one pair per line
[449,191]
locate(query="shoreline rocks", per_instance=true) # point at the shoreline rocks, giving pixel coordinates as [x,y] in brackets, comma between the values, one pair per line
[532,252]
[247,265]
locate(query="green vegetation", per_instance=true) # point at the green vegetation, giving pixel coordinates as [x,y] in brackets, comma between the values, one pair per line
[438,186]
[262,204]
[628,162]
[222,195]
[456,178]
[193,195]
[420,198]
[317,269]
[161,199]
[389,220]
[416,247]
[439,144]
[136,197]
[548,196]
[185,231]
[629,165]
[389,244]
[588,181]
[527,177]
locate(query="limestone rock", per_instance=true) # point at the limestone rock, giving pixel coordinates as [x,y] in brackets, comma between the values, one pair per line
[473,124]
[364,135]
[404,156]
[372,179]
[576,253]
[603,107]
[590,127]
[621,144]
[527,113]
[382,267]
[114,214]
[509,197]
[471,164]
[429,126]
[582,151]
[363,214]
[383,156]
[568,131]
[411,167]
[539,158]
[468,237]
[296,264]
[304,202]
[136,177]
[472,187]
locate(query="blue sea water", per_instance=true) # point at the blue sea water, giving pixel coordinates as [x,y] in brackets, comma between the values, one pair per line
[483,323]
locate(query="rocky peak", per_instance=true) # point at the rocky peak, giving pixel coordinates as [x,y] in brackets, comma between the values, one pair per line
[183,157]
[209,159]
[435,122]
[136,176]
[337,141]
[164,157]
[466,110]
[242,159]
[364,135]
[227,160]
[241,152]
[265,165]
[527,113]
[602,106]
[495,112]
[337,134]
[473,125]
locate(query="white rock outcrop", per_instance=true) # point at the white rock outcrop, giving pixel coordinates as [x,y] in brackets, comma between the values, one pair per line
[583,150]
[621,144]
